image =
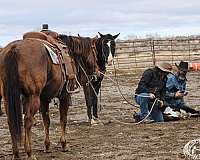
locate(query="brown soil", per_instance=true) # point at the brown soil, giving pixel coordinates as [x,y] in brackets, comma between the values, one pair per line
[113,140]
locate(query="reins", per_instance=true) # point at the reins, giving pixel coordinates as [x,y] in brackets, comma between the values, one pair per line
[89,80]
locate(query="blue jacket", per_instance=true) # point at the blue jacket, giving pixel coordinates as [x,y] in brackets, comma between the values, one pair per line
[173,85]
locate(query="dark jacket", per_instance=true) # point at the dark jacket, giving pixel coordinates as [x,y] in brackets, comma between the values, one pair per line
[151,82]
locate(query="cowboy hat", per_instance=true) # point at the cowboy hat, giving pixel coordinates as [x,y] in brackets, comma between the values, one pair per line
[165,67]
[183,66]
[45,27]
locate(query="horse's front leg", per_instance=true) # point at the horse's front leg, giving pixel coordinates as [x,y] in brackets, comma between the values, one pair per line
[46,121]
[63,108]
[88,100]
[32,104]
[95,92]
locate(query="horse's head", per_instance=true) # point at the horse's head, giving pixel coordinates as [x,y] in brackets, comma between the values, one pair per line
[84,51]
[106,48]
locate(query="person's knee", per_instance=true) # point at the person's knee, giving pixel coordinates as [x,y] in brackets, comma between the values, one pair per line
[157,116]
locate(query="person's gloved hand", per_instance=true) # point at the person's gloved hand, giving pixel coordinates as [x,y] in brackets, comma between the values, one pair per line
[179,94]
[161,103]
[152,96]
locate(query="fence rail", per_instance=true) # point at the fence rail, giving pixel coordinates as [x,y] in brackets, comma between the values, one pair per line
[140,54]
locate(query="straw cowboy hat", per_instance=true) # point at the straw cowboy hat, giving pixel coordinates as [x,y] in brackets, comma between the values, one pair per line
[183,66]
[165,67]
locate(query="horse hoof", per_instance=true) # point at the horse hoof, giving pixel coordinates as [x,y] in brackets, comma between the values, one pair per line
[92,122]
[98,121]
[15,157]
[66,148]
[95,121]
[63,144]
[47,149]
[31,158]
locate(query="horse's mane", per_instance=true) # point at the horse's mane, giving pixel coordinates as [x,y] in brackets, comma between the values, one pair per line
[79,45]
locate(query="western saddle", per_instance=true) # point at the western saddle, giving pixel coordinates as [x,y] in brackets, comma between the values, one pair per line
[50,38]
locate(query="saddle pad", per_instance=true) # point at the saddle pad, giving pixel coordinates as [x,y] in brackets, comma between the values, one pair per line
[53,55]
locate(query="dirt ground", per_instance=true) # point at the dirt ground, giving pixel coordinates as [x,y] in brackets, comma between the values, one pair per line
[112,140]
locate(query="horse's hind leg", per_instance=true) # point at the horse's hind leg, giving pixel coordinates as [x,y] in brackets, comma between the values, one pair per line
[46,120]
[63,108]
[1,112]
[32,104]
[13,138]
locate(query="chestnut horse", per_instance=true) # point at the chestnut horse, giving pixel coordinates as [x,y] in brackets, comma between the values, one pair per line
[27,70]
[105,46]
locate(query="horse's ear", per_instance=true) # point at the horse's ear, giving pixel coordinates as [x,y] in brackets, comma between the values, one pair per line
[96,37]
[101,34]
[116,36]
[79,35]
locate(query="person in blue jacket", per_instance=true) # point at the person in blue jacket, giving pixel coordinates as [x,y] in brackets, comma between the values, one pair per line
[176,89]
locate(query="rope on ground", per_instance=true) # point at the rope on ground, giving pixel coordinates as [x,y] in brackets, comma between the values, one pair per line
[116,83]
[124,123]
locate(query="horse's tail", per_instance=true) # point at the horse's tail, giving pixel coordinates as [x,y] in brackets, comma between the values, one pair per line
[12,93]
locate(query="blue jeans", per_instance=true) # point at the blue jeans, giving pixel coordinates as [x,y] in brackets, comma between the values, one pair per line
[145,106]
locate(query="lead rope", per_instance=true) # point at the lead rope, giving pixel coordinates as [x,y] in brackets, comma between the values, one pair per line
[134,105]
[117,84]
[89,81]
[100,106]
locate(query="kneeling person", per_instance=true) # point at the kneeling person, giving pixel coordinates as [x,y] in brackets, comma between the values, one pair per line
[150,88]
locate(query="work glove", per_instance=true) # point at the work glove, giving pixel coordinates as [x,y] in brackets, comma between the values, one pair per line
[152,96]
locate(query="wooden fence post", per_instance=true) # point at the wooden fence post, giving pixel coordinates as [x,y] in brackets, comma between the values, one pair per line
[189,47]
[171,51]
[153,52]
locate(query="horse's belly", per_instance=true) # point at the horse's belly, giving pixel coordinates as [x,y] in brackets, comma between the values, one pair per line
[53,88]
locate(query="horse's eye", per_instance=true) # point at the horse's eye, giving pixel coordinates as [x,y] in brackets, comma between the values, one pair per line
[106,41]
[112,43]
